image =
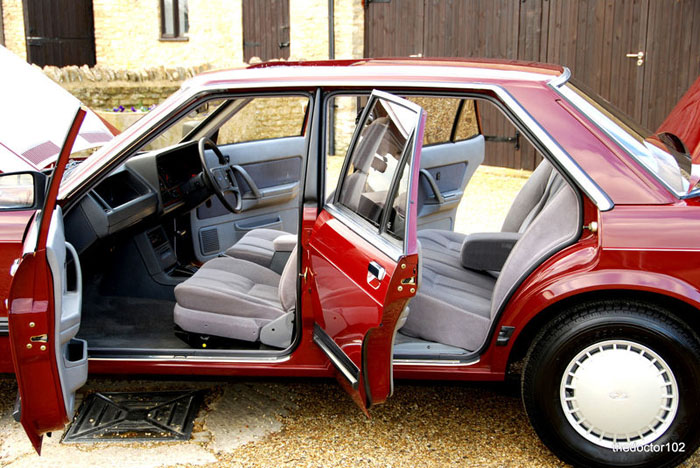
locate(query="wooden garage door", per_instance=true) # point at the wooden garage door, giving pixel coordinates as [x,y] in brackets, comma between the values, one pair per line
[265,29]
[59,32]
[591,37]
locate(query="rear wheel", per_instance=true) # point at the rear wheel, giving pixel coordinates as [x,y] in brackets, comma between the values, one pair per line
[614,384]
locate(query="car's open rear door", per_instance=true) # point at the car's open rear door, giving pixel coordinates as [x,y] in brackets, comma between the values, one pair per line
[44,315]
[362,258]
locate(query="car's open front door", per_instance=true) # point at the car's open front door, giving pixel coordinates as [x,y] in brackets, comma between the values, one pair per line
[44,315]
[362,263]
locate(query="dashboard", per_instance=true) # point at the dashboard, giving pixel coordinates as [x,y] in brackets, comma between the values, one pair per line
[157,183]
[175,169]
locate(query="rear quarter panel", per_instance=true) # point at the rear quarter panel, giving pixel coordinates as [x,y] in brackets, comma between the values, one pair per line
[655,249]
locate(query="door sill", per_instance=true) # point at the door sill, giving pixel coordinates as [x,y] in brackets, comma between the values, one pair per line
[188,355]
[437,362]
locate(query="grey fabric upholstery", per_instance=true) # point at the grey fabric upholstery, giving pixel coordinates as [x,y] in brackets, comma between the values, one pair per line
[452,305]
[257,246]
[235,298]
[441,250]
[288,283]
[285,243]
[455,305]
[487,251]
[534,195]
[367,148]
[556,226]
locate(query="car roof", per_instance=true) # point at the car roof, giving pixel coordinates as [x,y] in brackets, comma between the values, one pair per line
[414,70]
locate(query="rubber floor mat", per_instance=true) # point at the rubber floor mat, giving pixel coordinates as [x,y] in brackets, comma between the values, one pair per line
[131,417]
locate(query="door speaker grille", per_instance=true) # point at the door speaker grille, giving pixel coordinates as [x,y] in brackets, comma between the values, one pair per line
[209,240]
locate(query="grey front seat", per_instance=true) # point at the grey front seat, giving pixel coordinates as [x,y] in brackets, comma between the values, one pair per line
[257,246]
[238,299]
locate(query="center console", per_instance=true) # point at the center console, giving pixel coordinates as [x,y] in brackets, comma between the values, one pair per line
[160,259]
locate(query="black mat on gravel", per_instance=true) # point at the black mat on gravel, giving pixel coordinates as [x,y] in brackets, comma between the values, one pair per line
[133,417]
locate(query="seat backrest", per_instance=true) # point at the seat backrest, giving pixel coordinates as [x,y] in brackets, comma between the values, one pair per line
[367,148]
[532,198]
[556,225]
[287,290]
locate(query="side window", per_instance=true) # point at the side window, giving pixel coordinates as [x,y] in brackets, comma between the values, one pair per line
[265,118]
[441,117]
[448,120]
[176,132]
[376,162]
[467,125]
[343,112]
[174,19]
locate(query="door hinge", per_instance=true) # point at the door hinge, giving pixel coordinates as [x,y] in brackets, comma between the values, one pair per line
[515,139]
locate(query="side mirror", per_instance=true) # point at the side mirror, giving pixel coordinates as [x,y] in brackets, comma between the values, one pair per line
[22,191]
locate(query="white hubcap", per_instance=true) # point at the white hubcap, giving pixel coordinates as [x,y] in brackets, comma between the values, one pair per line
[619,393]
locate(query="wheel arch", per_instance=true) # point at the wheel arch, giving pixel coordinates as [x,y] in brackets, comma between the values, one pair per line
[684,310]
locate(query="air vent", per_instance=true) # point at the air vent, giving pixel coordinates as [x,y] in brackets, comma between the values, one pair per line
[209,240]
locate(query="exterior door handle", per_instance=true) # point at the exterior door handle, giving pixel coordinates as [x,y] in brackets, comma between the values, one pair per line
[375,274]
[639,56]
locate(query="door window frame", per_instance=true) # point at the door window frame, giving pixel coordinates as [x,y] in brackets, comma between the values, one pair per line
[375,235]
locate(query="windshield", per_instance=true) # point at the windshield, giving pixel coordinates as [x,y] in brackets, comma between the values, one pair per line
[663,155]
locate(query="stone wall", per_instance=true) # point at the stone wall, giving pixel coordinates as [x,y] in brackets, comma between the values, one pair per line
[13,24]
[106,88]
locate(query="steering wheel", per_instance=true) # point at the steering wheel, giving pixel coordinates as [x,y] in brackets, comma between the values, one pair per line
[220,180]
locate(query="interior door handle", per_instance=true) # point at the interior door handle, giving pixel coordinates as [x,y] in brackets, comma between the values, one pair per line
[375,271]
[433,186]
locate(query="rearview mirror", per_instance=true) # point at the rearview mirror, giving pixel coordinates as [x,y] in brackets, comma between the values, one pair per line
[22,191]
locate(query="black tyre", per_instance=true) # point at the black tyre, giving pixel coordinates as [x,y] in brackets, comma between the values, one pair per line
[615,384]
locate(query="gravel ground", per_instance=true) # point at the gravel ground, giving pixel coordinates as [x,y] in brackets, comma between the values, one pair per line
[312,423]
[274,423]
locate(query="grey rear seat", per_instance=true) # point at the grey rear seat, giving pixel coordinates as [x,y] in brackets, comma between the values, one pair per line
[454,304]
[446,246]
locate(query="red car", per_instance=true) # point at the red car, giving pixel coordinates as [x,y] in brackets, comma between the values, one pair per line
[220,235]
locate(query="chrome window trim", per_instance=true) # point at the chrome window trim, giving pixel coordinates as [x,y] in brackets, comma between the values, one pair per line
[590,188]
[624,140]
[561,79]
